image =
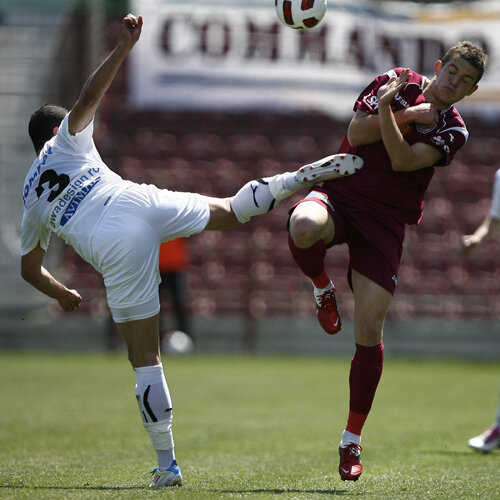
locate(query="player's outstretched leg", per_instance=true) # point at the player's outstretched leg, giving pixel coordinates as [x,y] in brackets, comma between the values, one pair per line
[259,196]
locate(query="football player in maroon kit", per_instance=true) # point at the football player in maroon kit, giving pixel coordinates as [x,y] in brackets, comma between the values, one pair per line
[403,127]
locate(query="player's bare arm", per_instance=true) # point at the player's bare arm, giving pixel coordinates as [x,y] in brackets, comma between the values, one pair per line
[489,228]
[98,83]
[404,158]
[36,275]
[364,128]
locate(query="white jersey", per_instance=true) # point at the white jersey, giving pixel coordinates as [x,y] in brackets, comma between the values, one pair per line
[115,225]
[495,201]
[67,190]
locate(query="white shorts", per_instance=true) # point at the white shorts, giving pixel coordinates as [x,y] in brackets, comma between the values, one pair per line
[125,246]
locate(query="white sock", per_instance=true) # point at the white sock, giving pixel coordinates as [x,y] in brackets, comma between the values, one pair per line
[155,405]
[260,196]
[283,185]
[165,458]
[254,198]
[348,438]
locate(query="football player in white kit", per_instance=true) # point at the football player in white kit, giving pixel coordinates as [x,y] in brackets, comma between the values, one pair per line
[489,440]
[118,226]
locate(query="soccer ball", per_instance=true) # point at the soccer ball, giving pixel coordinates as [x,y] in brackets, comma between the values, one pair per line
[300,14]
[177,342]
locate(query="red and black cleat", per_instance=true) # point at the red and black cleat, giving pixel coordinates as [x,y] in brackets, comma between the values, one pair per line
[327,310]
[350,467]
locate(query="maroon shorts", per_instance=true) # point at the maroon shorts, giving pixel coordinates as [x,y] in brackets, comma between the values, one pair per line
[375,245]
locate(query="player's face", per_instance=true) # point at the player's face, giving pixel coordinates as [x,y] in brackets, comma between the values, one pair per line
[454,81]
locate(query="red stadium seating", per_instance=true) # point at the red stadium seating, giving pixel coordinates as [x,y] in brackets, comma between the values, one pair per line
[249,270]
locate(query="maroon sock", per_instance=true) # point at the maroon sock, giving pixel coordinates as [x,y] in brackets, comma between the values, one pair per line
[366,370]
[310,260]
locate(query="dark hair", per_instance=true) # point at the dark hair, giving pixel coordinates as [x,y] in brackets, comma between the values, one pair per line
[473,54]
[42,123]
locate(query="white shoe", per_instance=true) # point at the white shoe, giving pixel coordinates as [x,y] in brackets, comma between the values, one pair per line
[169,477]
[326,169]
[488,441]
[330,167]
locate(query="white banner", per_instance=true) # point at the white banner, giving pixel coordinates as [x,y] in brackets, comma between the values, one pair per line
[220,55]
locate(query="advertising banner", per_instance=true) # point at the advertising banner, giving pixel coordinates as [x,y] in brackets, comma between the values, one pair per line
[236,55]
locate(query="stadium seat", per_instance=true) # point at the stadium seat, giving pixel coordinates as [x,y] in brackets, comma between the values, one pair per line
[250,270]
[300,149]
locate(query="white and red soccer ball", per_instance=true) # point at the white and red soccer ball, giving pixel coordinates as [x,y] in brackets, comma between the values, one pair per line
[300,14]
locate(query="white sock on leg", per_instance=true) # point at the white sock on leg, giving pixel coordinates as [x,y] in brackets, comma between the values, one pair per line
[254,198]
[283,185]
[155,405]
[260,196]
[349,437]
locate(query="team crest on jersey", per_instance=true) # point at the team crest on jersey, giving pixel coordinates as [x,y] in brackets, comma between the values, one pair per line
[423,129]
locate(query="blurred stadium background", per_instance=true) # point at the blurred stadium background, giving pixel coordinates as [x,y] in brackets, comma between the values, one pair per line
[218,93]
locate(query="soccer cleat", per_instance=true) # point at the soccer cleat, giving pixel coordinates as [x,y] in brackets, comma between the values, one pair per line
[326,309]
[350,467]
[281,186]
[168,477]
[488,441]
[328,168]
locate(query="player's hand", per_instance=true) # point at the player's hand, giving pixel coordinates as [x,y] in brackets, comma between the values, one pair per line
[388,91]
[70,300]
[425,114]
[469,242]
[131,29]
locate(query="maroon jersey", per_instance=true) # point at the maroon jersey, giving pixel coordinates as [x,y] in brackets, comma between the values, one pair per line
[397,195]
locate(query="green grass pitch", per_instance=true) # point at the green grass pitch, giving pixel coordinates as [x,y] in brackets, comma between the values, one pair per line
[244,427]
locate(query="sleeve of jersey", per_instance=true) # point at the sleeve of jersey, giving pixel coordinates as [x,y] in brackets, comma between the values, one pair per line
[495,201]
[448,141]
[32,235]
[367,100]
[81,141]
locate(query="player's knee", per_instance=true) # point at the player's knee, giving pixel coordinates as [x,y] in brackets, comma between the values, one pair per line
[369,332]
[143,358]
[304,230]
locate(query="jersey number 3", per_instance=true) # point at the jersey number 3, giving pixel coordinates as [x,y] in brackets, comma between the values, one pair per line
[54,180]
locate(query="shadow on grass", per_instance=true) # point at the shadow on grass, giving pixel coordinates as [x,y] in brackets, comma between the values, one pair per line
[276,491]
[469,453]
[64,488]
[273,491]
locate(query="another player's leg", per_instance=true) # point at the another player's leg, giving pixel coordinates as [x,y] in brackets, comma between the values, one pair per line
[259,196]
[371,304]
[310,227]
[153,396]
[489,440]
